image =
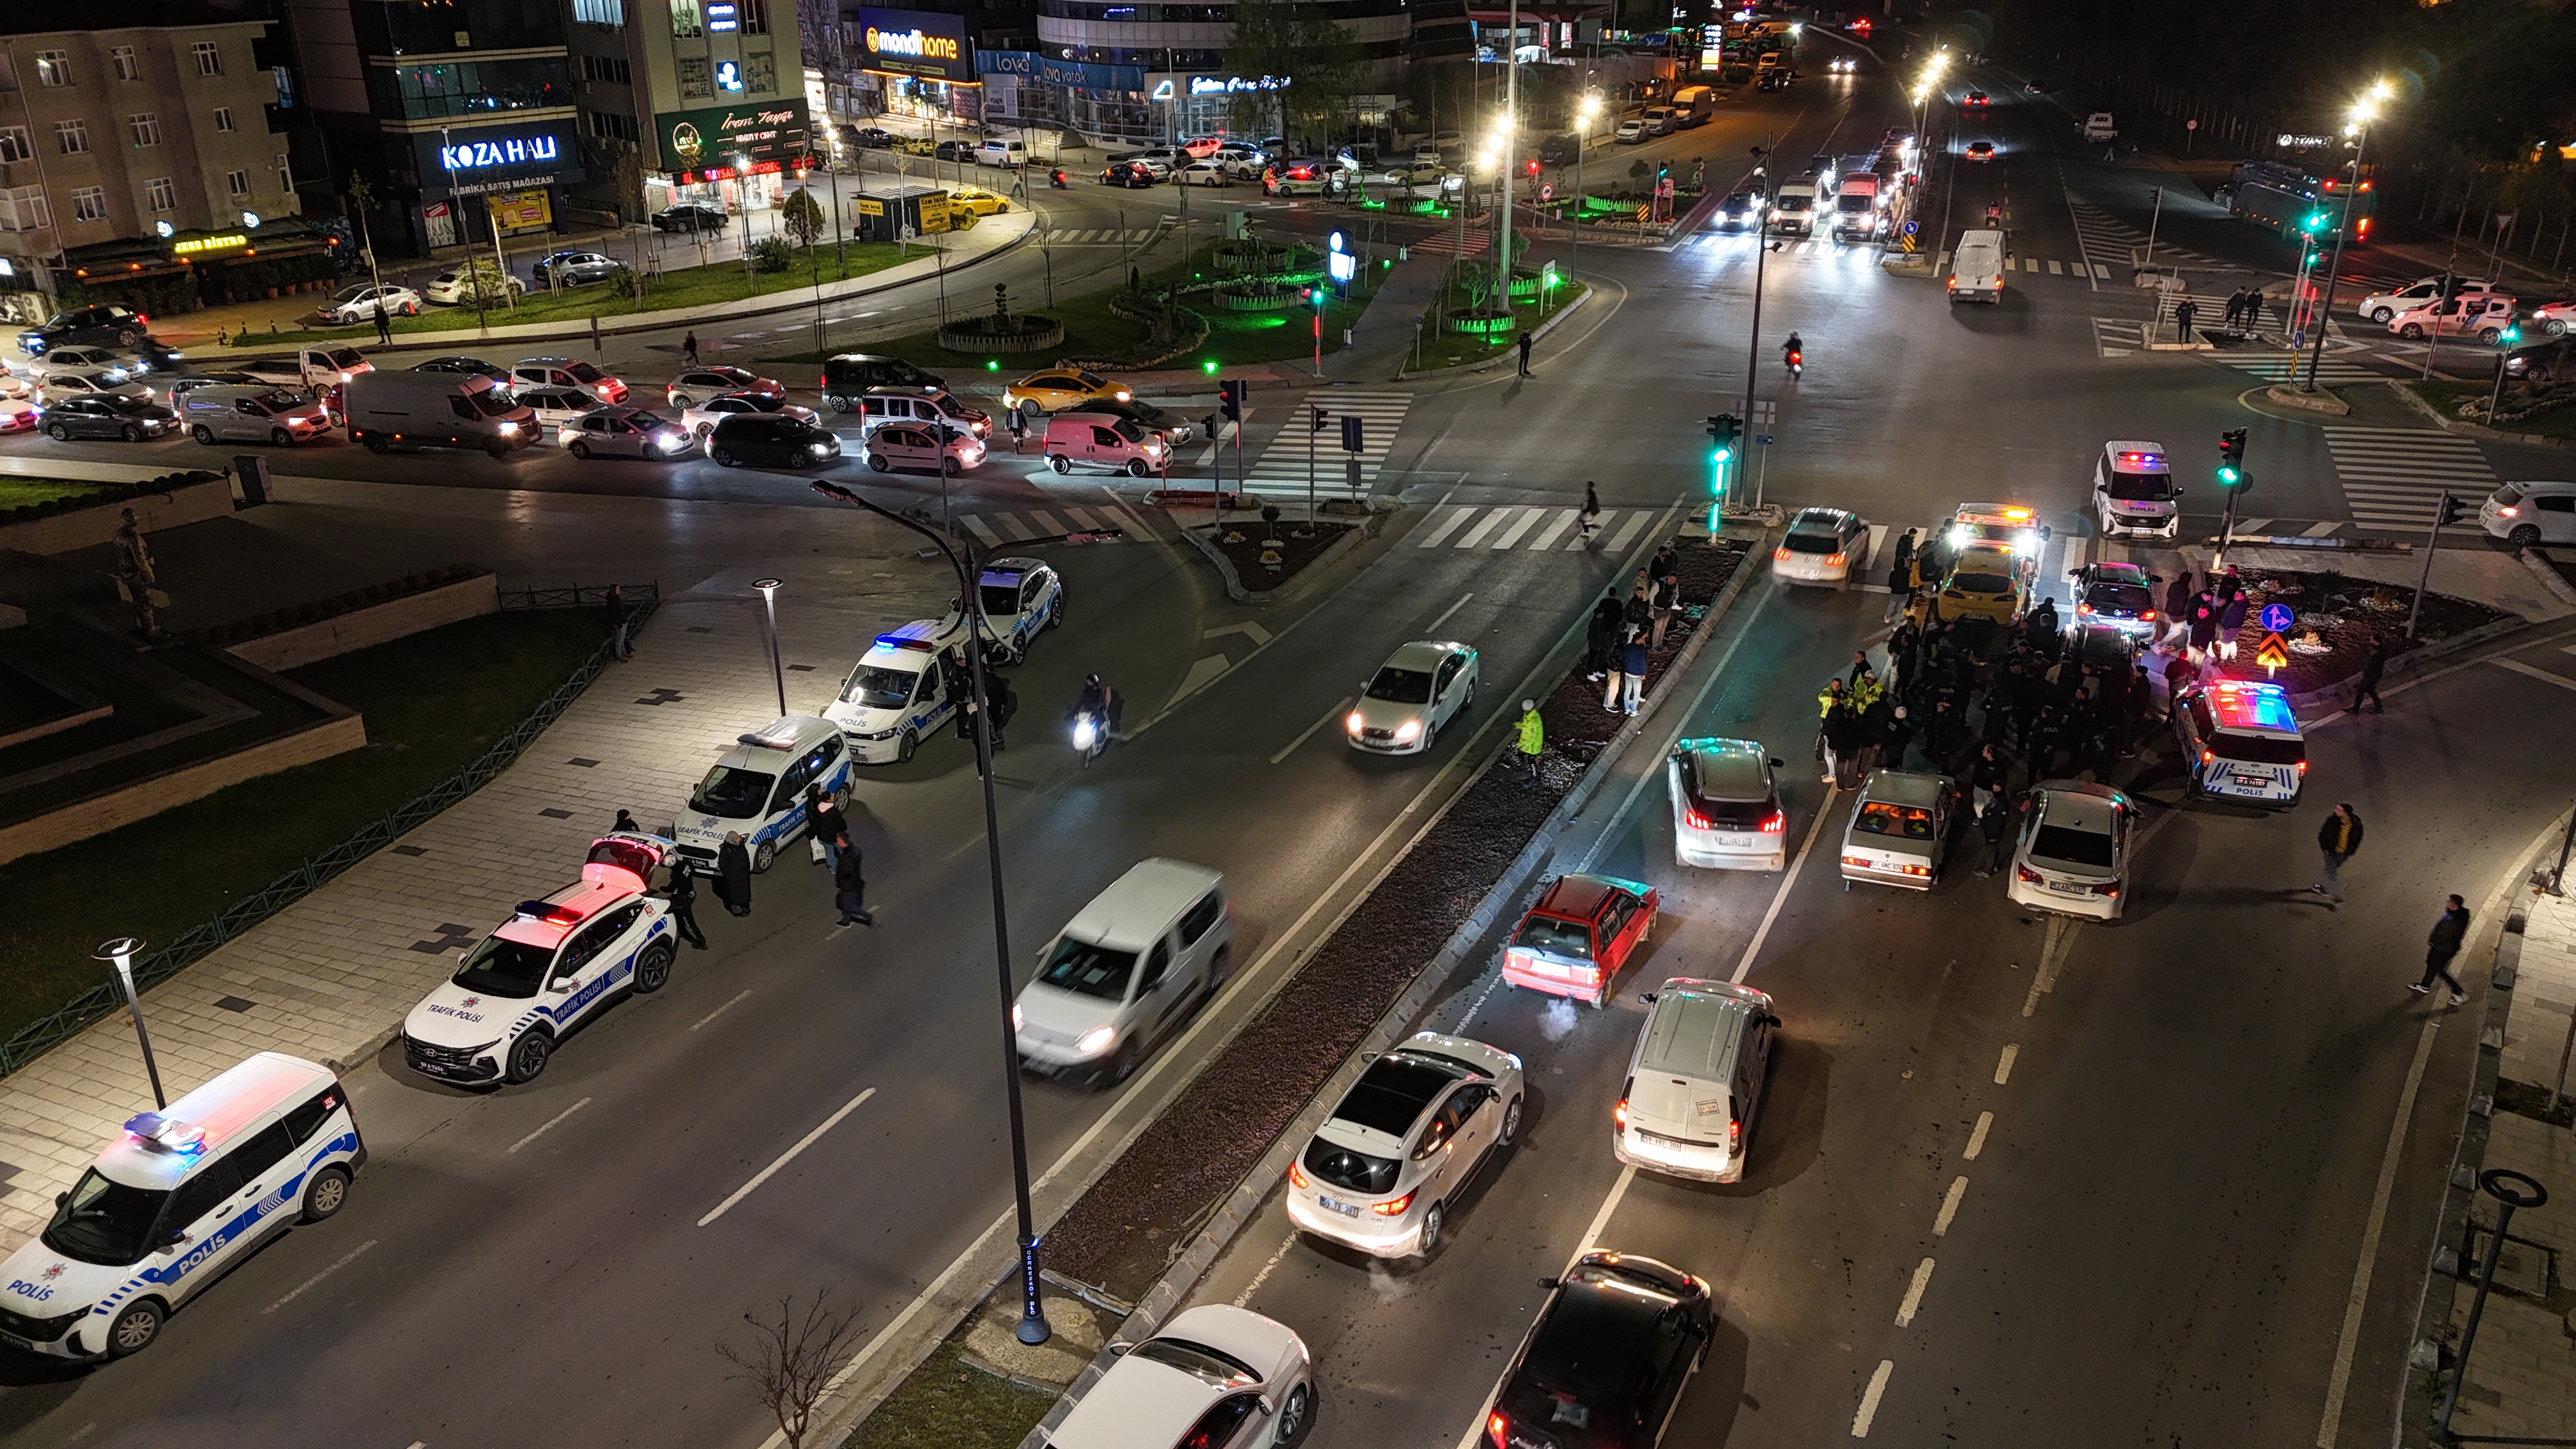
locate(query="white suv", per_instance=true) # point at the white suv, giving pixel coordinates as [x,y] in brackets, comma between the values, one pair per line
[2381,306]
[2133,490]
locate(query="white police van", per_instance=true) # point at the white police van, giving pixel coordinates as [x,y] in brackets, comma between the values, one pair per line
[898,691]
[2241,742]
[1019,597]
[548,969]
[758,788]
[182,1195]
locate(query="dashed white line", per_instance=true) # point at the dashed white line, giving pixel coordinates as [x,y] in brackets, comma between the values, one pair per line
[1432,629]
[1914,1293]
[2330,1426]
[788,1156]
[549,1125]
[1949,1207]
[719,1011]
[1263,1276]
[2003,1068]
[1977,1138]
[1780,897]
[1308,732]
[346,1259]
[1868,1399]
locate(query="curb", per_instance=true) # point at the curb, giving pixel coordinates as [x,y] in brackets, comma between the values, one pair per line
[1291,588]
[2332,544]
[2548,574]
[1245,1200]
[2432,414]
[1490,363]
[2284,395]
[2414,660]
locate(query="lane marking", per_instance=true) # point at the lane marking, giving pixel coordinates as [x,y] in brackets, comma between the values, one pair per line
[1601,1219]
[1780,897]
[2052,955]
[1914,1293]
[1548,536]
[1949,1207]
[719,1011]
[788,1156]
[1476,535]
[1303,735]
[1868,1398]
[346,1259]
[1628,530]
[1512,535]
[1432,538]
[2331,1423]
[549,1126]
[1249,630]
[1977,1138]
[1433,627]
[1263,1276]
[2003,1068]
[2518,667]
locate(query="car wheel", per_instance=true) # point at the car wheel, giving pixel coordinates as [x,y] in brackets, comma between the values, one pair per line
[61,434]
[2411,331]
[878,462]
[724,458]
[527,1058]
[2381,315]
[325,1193]
[1430,733]
[127,337]
[1433,1219]
[130,433]
[910,742]
[2555,327]
[498,451]
[204,435]
[765,857]
[1029,409]
[682,400]
[277,438]
[1292,1417]
[1055,612]
[377,445]
[580,449]
[1060,463]
[653,968]
[1136,468]
[2524,537]
[134,1328]
[1121,1066]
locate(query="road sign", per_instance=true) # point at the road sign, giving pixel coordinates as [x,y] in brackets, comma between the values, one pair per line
[1912,227]
[2276,618]
[1547,191]
[2191,125]
[1352,433]
[1763,438]
[2272,653]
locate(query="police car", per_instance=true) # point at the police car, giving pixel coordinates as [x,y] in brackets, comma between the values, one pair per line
[758,788]
[548,969]
[2241,742]
[898,691]
[1019,597]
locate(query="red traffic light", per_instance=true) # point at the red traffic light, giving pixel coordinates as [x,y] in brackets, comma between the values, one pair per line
[1532,166]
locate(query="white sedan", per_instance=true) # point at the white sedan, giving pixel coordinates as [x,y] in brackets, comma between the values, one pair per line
[1821,546]
[2381,306]
[1421,687]
[2074,852]
[701,419]
[2553,318]
[909,444]
[352,305]
[1216,1375]
[455,288]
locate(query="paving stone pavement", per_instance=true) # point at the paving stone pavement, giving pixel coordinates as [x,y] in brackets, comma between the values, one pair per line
[331,977]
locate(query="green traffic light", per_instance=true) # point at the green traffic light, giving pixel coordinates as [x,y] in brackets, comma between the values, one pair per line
[1208,367]
[2227,477]
[1723,454]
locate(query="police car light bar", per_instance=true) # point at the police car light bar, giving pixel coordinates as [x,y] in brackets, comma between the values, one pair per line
[895,641]
[166,1134]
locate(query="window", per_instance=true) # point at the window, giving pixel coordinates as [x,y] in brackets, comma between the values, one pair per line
[127,67]
[760,74]
[24,209]
[306,1120]
[223,118]
[145,128]
[263,1151]
[210,57]
[53,67]
[609,68]
[89,203]
[610,124]
[611,13]
[695,83]
[164,193]
[1196,920]
[685,22]
[285,175]
[237,185]
[201,1194]
[755,17]
[72,136]
[16,144]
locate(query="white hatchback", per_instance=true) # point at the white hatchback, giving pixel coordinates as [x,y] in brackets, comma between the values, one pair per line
[2381,306]
[1216,1377]
[1820,546]
[1422,687]
[1726,805]
[1404,1141]
[2074,851]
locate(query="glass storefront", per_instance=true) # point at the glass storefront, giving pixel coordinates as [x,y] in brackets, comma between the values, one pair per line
[436,89]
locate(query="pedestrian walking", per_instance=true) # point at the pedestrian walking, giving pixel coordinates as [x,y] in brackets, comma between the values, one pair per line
[1994,827]
[2367,686]
[1602,635]
[2254,310]
[2177,615]
[1588,522]
[2449,931]
[733,874]
[384,323]
[850,890]
[2338,840]
[689,347]
[2231,622]
[619,621]
[1525,352]
[1632,661]
[2184,311]
[1530,740]
[1844,736]
[825,825]
[2235,307]
[683,896]
[625,824]
[2204,627]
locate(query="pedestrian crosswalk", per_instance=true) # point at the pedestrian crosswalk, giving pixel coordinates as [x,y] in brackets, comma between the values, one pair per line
[2105,238]
[1103,236]
[2395,476]
[1508,526]
[1300,450]
[1445,242]
[995,529]
[2036,266]
[2293,367]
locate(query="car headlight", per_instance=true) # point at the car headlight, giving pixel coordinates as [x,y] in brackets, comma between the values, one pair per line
[1409,730]
[822,450]
[2027,540]
[1353,721]
[1958,535]
[509,430]
[1095,1041]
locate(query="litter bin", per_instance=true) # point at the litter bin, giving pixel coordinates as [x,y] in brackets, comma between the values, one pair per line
[252,472]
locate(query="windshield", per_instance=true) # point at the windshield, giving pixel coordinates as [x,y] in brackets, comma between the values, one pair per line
[732,794]
[104,1222]
[584,372]
[999,602]
[1215,1369]
[346,357]
[1792,201]
[2076,847]
[2121,598]
[1555,937]
[1970,583]
[1855,204]
[505,968]
[1092,379]
[1350,1170]
[1088,970]
[279,401]
[1401,686]
[2259,749]
[877,687]
[2142,487]
[496,402]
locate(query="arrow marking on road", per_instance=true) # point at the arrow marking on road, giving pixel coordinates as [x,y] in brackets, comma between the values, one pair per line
[1249,630]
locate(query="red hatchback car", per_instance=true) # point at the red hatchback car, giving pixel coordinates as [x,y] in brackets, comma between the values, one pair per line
[1580,936]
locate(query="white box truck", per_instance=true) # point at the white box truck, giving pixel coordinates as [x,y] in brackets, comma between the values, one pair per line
[1857,216]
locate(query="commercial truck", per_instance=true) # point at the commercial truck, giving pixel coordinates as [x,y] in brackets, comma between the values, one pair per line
[1793,211]
[1693,106]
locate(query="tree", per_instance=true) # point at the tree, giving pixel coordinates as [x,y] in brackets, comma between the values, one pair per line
[790,1360]
[1294,41]
[801,216]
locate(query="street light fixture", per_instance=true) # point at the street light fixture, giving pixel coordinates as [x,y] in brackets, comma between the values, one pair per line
[121,953]
[2356,126]
[1585,116]
[769,605]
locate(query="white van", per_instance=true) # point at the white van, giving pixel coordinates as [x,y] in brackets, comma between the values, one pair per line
[1117,444]
[998,152]
[182,1195]
[1977,267]
[436,410]
[898,691]
[758,788]
[1695,1081]
[233,413]
[1125,971]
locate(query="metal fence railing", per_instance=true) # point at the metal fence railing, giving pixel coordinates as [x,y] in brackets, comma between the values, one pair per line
[40,1036]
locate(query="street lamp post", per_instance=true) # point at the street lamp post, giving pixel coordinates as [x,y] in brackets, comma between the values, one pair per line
[769,607]
[1033,1328]
[1584,117]
[120,953]
[1506,145]
[2359,129]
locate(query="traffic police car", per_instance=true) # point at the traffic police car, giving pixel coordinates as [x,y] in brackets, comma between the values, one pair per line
[548,969]
[1019,597]
[898,691]
[758,788]
[2241,742]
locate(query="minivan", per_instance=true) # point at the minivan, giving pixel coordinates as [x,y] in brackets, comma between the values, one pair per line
[1125,971]
[258,412]
[1695,1082]
[928,405]
[850,374]
[438,410]
[1112,443]
[1977,267]
[998,152]
[757,789]
[180,1196]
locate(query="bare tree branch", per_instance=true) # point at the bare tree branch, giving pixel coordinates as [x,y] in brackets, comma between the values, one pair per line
[789,1359]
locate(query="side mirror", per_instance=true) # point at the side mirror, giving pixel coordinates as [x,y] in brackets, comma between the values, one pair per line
[169,1238]
[61,1197]
[561,985]
[1768,1019]
[1118,1349]
[2101,487]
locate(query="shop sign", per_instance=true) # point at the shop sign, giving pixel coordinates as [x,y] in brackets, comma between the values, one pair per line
[200,245]
[870,206]
[505,151]
[1070,74]
[918,43]
[1208,85]
[770,131]
[517,209]
[481,160]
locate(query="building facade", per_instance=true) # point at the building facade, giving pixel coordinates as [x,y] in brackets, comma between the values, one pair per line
[689,100]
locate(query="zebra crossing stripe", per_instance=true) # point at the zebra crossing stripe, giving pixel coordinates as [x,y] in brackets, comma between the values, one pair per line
[975,526]
[1081,519]
[1477,534]
[1512,535]
[1432,536]
[1628,530]
[1047,524]
[1564,520]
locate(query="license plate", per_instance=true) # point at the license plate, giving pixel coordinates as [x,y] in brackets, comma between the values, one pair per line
[1334,1204]
[2063,889]
[1738,842]
[14,1341]
[2256,782]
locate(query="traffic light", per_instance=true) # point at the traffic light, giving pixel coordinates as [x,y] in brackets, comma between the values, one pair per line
[2316,222]
[1531,166]
[2231,458]
[2454,510]
[1726,428]
[2508,335]
[1229,399]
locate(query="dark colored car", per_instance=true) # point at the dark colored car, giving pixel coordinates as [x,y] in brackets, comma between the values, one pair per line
[1605,1367]
[101,325]
[1740,211]
[469,366]
[873,138]
[771,440]
[1978,99]
[848,375]
[1559,150]
[575,269]
[954,151]
[2115,605]
[130,418]
[690,216]
[1128,173]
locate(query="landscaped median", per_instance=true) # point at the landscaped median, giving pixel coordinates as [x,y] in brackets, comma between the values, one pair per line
[1139,1236]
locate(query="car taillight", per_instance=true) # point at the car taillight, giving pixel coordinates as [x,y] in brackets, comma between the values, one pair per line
[1296,1174]
[2206,756]
[2303,767]
[1619,1113]
[2025,873]
[1780,555]
[2107,888]
[1734,1132]
[1393,1207]
[2084,608]
[1859,860]
[1496,1426]
[1694,819]
[1775,822]
[2508,512]
[2146,616]
[1834,560]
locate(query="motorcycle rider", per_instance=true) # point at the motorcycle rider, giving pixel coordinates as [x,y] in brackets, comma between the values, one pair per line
[1099,701]
[1794,351]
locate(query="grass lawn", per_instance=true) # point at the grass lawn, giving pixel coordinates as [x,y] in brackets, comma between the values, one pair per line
[16,492]
[158,877]
[2558,421]
[945,1404]
[1450,349]
[674,288]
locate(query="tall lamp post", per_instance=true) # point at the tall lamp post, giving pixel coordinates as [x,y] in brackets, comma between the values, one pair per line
[1033,1328]
[1584,117]
[769,607]
[1506,145]
[2358,128]
[120,953]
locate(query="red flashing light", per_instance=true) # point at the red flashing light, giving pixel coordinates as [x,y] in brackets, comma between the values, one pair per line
[2361,228]
[1532,167]
[2146,616]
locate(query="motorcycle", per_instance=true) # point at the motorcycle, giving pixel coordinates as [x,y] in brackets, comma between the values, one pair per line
[1059,180]
[1797,365]
[1090,735]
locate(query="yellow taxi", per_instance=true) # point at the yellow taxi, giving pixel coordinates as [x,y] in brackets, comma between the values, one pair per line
[2016,524]
[1058,388]
[977,200]
[1985,582]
